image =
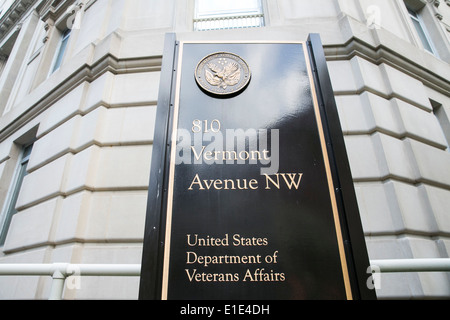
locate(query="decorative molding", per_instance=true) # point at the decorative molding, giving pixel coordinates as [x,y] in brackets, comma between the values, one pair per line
[47,27]
[382,54]
[436,4]
[14,15]
[109,63]
[86,73]
[52,9]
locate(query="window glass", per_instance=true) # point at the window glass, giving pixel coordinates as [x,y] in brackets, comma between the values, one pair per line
[61,50]
[216,8]
[420,29]
[230,14]
[11,210]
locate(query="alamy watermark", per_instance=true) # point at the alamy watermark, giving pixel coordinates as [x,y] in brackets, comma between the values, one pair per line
[207,143]
[74,19]
[374,15]
[374,280]
[73,282]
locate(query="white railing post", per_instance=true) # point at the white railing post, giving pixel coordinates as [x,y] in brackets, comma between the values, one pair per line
[59,277]
[58,281]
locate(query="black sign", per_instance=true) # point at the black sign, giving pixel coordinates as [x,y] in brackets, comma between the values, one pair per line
[247,198]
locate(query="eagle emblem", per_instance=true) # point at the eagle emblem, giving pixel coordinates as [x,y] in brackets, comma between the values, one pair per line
[229,75]
[222,74]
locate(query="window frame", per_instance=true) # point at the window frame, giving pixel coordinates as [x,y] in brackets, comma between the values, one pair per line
[443,118]
[10,209]
[416,17]
[414,12]
[61,51]
[233,19]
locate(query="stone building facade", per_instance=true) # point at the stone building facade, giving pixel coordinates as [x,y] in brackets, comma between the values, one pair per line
[79,86]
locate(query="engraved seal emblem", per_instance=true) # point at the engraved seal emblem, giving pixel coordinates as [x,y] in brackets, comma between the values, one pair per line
[223,74]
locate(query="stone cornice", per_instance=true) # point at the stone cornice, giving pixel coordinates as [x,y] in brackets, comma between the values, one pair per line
[109,63]
[382,54]
[13,16]
[55,9]
[24,113]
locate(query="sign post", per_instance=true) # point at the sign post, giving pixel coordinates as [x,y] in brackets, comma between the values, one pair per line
[250,194]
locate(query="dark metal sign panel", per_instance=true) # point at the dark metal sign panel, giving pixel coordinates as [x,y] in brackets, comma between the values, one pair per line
[249,206]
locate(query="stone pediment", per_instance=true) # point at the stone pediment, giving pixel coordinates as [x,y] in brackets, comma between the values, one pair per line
[53,9]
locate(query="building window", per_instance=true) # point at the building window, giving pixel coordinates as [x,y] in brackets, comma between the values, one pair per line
[421,30]
[443,118]
[230,14]
[62,50]
[11,208]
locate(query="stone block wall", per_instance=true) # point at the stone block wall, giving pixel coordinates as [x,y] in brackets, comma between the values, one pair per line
[92,124]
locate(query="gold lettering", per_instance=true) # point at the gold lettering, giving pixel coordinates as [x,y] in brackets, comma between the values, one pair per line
[292,180]
[239,184]
[230,155]
[276,184]
[232,184]
[245,156]
[196,155]
[208,155]
[210,184]
[227,184]
[218,184]
[198,182]
[253,184]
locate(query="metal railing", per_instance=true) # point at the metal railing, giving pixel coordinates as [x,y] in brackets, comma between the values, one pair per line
[411,265]
[60,272]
